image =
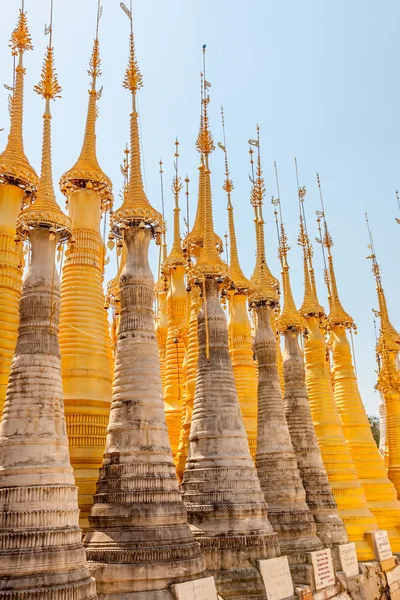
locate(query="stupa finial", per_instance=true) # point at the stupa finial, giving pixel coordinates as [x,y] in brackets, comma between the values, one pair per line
[14,165]
[176,257]
[44,210]
[310,306]
[389,338]
[337,314]
[136,207]
[236,274]
[86,172]
[264,285]
[210,263]
[289,318]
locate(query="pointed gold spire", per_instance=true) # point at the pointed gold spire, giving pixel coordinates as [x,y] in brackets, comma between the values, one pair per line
[389,339]
[136,208]
[210,263]
[86,172]
[257,199]
[176,257]
[14,165]
[310,307]
[264,285]
[235,271]
[290,318]
[337,314]
[196,237]
[44,210]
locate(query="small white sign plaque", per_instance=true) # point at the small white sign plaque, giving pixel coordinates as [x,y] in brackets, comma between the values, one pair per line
[199,589]
[277,578]
[348,559]
[324,574]
[382,547]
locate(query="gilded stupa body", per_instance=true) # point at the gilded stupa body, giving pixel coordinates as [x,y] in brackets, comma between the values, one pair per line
[84,332]
[174,269]
[380,492]
[18,181]
[342,474]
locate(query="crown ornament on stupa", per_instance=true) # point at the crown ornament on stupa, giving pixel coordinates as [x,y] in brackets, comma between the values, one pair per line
[264,285]
[210,264]
[87,173]
[43,211]
[14,165]
[136,208]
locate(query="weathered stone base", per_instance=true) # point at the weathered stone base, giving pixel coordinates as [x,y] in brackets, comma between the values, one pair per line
[232,561]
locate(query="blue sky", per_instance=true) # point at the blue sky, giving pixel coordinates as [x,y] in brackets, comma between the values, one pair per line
[320,78]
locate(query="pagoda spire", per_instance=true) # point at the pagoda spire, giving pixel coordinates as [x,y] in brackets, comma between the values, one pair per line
[174,268]
[342,474]
[319,496]
[388,384]
[268,282]
[176,256]
[14,165]
[235,271]
[210,262]
[232,513]
[310,305]
[290,318]
[86,172]
[86,350]
[239,326]
[379,490]
[389,337]
[276,460]
[35,457]
[44,210]
[139,541]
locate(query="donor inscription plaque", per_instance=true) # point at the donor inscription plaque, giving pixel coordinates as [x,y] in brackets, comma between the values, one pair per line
[324,574]
[348,559]
[199,589]
[277,578]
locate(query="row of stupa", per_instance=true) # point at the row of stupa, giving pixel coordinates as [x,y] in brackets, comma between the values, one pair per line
[317,479]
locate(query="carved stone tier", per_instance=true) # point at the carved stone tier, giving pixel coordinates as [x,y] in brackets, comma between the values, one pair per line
[330,528]
[222,493]
[342,474]
[379,490]
[276,460]
[139,540]
[10,280]
[85,347]
[41,553]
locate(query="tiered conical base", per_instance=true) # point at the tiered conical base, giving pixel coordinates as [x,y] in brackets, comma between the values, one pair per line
[379,490]
[41,553]
[330,528]
[222,493]
[139,540]
[347,490]
[85,347]
[276,461]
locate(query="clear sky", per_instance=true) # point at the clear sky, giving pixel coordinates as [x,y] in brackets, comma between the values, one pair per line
[320,78]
